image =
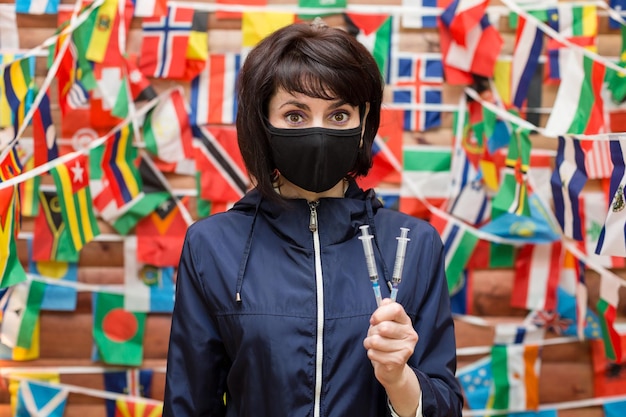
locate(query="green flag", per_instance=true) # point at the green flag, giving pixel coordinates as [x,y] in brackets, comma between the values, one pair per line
[21,313]
[11,271]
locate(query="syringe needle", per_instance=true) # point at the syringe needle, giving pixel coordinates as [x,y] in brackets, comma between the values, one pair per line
[366,239]
[396,278]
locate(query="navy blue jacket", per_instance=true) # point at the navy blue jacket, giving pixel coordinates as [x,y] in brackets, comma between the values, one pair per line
[263,323]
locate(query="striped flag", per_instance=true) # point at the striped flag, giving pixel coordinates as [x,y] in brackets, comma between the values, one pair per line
[578,107]
[612,240]
[56,297]
[420,21]
[19,77]
[44,133]
[150,8]
[568,180]
[374,32]
[41,400]
[537,274]
[607,311]
[213,98]
[526,53]
[135,382]
[37,6]
[598,159]
[11,270]
[166,129]
[21,314]
[106,17]
[72,182]
[198,45]
[593,210]
[137,408]
[459,244]
[118,166]
[51,239]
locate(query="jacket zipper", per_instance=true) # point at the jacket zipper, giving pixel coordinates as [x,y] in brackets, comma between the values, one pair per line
[319,286]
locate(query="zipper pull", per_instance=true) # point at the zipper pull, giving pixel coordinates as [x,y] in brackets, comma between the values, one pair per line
[313,222]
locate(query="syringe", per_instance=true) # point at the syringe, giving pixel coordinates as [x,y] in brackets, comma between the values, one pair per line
[399,264]
[366,239]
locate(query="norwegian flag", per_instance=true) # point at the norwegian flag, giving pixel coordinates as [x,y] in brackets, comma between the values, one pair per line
[164,45]
[418,79]
[213,99]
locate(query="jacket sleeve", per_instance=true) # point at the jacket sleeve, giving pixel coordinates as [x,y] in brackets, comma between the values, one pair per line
[434,359]
[196,360]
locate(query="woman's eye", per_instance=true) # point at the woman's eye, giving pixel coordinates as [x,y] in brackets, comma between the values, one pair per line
[340,117]
[294,118]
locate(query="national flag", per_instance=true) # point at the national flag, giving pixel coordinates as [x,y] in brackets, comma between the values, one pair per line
[515,366]
[198,45]
[593,210]
[492,255]
[29,192]
[164,44]
[607,311]
[135,382]
[56,297]
[578,107]
[537,274]
[166,129]
[579,25]
[386,151]
[44,133]
[103,43]
[150,8]
[598,158]
[620,7]
[320,5]
[41,400]
[419,21]
[160,235]
[21,314]
[72,181]
[472,48]
[135,86]
[612,240]
[476,380]
[51,239]
[37,6]
[568,180]
[418,80]
[118,165]
[426,177]
[526,52]
[374,31]
[137,408]
[213,98]
[21,354]
[614,408]
[219,163]
[461,16]
[51,378]
[9,36]
[11,270]
[19,78]
[512,197]
[616,80]
[118,333]
[459,243]
[584,324]
[147,288]
[222,14]
[103,98]
[609,377]
[255,26]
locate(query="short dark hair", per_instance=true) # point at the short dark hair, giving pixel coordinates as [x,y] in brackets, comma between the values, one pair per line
[315,60]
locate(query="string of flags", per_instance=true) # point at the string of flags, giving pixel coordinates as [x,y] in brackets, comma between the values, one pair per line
[488,194]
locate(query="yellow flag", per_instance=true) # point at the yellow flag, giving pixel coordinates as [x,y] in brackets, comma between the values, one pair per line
[257,25]
[6,118]
[105,19]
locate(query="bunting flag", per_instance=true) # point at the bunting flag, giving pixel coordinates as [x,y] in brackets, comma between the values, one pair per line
[469,43]
[476,380]
[72,181]
[615,79]
[213,98]
[612,239]
[578,107]
[73,91]
[513,194]
[37,6]
[44,133]
[374,32]
[491,255]
[255,26]
[614,408]
[9,38]
[137,408]
[41,400]
[21,314]
[620,7]
[103,98]
[223,176]
[51,239]
[515,364]
[29,192]
[537,274]
[149,8]
[135,86]
[198,45]
[164,43]
[160,235]
[11,270]
[425,178]
[320,5]
[609,377]
[568,180]
[118,166]
[166,129]
[421,21]
[147,288]
[607,311]
[135,382]
[598,158]
[106,17]
[418,80]
[526,52]
[593,210]
[222,14]
[459,244]
[118,333]
[18,77]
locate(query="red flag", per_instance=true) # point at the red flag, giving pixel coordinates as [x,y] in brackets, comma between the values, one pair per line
[537,274]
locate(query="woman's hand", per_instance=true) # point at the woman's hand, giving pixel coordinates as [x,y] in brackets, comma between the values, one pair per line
[390,342]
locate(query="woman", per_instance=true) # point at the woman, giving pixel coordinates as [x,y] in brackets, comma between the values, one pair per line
[275,313]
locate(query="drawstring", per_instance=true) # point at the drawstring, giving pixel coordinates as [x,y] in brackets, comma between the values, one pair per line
[372,225]
[246,254]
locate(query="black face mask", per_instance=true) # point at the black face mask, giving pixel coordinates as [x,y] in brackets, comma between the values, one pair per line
[314,158]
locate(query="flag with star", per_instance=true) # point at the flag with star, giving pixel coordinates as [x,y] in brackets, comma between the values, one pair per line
[72,181]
